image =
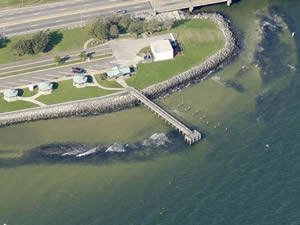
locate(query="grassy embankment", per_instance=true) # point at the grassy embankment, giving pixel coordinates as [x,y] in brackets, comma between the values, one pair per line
[198,39]
[22,3]
[107,83]
[67,92]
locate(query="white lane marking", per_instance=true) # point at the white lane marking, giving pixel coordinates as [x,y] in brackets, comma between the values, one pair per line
[14,83]
[29,81]
[48,75]
[39,78]
[36,14]
[34,25]
[5,86]
[57,21]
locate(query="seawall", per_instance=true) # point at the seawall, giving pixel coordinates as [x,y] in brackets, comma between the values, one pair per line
[123,100]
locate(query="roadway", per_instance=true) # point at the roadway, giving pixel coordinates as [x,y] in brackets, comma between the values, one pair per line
[64,14]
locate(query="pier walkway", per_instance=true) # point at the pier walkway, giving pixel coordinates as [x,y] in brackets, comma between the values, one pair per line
[189,136]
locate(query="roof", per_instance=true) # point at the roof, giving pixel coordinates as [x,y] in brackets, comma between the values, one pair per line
[9,93]
[161,46]
[118,71]
[80,79]
[45,86]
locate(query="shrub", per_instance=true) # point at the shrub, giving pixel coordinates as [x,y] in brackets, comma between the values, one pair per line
[40,41]
[124,22]
[136,27]
[99,29]
[114,31]
[23,47]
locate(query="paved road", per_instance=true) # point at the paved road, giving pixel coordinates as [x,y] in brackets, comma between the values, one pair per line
[65,14]
[55,73]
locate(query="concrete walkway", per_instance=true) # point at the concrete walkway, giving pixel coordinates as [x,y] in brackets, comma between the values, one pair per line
[32,99]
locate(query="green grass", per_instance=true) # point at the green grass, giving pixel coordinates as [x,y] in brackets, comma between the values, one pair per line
[21,3]
[198,38]
[13,106]
[107,83]
[65,40]
[27,93]
[67,92]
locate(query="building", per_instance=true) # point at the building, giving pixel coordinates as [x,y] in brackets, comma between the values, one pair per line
[116,72]
[80,81]
[162,50]
[45,88]
[10,95]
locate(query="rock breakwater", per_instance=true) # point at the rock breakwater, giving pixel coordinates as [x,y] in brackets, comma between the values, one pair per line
[124,100]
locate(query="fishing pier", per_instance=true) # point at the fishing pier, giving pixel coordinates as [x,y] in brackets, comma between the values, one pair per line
[190,136]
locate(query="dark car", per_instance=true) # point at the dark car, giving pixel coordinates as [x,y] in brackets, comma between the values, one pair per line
[78,70]
[121,11]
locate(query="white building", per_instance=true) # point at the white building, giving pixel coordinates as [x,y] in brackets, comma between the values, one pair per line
[162,50]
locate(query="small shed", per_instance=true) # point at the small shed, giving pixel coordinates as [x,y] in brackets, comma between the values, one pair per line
[10,95]
[80,81]
[162,50]
[45,87]
[116,72]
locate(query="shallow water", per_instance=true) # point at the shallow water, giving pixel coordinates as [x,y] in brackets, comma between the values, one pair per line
[245,175]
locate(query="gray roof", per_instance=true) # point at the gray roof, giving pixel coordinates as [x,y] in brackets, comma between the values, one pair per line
[9,93]
[80,79]
[118,71]
[45,86]
[161,46]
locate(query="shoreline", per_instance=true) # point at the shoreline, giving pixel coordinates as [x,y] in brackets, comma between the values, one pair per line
[123,100]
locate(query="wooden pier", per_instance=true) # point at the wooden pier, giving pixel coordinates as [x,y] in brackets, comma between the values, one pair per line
[190,136]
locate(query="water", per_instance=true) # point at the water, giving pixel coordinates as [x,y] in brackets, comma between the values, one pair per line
[245,175]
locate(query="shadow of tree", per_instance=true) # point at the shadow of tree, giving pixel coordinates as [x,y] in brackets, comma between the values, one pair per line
[55,85]
[55,38]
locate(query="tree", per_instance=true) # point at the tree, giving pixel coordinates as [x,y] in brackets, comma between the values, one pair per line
[114,19]
[114,31]
[151,26]
[124,22]
[103,76]
[168,24]
[40,41]
[57,60]
[83,55]
[23,47]
[2,41]
[135,27]
[99,29]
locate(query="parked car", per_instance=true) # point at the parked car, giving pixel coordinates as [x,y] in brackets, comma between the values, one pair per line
[121,11]
[78,70]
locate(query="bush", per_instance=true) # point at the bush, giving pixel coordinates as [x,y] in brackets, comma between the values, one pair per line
[57,60]
[23,47]
[3,41]
[152,26]
[99,29]
[168,24]
[40,41]
[124,22]
[114,31]
[136,27]
[103,76]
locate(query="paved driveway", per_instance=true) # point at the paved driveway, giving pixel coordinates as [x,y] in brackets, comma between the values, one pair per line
[125,50]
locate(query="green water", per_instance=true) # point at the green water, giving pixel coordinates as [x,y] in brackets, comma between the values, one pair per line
[230,177]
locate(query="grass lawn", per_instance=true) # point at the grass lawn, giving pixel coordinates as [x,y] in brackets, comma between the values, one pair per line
[107,83]
[198,38]
[27,93]
[67,92]
[13,106]
[18,3]
[64,40]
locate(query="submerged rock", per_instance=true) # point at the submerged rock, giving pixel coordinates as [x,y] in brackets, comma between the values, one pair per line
[157,139]
[116,148]
[89,152]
